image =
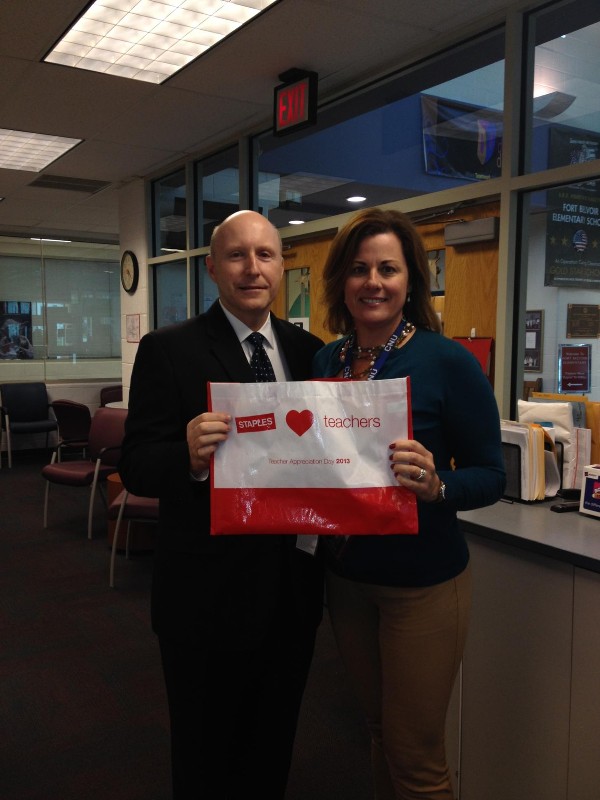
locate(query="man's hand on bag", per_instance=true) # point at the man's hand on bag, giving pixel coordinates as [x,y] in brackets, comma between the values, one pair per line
[204,434]
[414,469]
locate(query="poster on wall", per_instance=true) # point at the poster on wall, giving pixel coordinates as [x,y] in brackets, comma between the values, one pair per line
[574,368]
[15,330]
[461,140]
[573,221]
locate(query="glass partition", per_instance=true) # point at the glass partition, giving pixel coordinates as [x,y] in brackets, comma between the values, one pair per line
[561,318]
[565,97]
[169,217]
[170,292]
[59,310]
[217,191]
[410,136]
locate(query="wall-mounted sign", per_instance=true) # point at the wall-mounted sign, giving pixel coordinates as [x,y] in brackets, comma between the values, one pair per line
[574,368]
[295,101]
[573,216]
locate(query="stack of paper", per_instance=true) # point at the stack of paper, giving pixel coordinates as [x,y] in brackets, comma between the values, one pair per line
[576,441]
[530,456]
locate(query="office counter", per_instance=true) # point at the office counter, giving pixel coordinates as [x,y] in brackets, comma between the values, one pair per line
[571,537]
[525,717]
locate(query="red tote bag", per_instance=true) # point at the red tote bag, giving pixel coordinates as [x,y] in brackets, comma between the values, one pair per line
[311,457]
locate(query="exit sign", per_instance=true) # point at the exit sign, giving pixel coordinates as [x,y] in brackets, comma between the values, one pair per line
[295,102]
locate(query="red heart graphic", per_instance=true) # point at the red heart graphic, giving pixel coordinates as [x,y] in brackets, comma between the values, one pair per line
[299,421]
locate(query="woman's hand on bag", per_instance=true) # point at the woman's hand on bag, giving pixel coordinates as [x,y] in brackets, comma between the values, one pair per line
[204,434]
[414,468]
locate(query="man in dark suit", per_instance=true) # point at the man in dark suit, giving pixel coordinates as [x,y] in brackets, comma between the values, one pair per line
[236,616]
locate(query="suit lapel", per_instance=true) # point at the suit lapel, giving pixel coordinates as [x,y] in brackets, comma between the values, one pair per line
[225,346]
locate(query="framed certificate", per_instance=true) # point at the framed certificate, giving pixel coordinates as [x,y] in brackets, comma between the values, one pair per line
[534,332]
[132,327]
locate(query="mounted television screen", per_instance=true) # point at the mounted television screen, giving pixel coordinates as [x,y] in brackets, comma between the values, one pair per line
[461,140]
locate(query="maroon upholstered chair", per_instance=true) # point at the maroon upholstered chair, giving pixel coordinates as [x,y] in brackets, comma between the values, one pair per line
[74,423]
[111,394]
[105,439]
[131,508]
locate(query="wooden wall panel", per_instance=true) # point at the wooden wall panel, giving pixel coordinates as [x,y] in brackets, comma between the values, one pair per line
[471,279]
[310,253]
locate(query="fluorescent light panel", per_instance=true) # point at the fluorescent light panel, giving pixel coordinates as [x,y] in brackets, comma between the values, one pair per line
[31,151]
[149,40]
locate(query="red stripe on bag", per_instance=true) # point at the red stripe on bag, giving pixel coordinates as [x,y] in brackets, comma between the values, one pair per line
[381,510]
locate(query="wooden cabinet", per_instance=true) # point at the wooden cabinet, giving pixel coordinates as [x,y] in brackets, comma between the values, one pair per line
[585,688]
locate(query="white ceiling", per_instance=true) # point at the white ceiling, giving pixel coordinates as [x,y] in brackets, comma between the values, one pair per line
[133,129]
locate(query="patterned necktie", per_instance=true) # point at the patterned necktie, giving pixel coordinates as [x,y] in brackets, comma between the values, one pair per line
[260,364]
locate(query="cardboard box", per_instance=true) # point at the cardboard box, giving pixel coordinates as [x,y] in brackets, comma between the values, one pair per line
[590,491]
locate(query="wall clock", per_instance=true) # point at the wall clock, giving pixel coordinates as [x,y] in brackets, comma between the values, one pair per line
[130,271]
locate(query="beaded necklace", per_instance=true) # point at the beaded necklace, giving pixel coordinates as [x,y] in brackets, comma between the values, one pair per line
[377,355]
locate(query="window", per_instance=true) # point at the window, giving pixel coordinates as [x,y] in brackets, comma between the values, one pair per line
[170,292]
[65,298]
[217,192]
[427,138]
[564,116]
[169,214]
[562,252]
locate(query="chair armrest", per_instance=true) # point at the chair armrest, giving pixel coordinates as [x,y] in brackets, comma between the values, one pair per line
[106,450]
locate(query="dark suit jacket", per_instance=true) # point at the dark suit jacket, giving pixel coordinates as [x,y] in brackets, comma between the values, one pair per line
[225,589]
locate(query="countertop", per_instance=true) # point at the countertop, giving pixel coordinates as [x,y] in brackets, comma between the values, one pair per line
[571,537]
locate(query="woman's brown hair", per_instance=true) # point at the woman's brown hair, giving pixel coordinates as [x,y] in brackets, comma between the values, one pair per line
[418,308]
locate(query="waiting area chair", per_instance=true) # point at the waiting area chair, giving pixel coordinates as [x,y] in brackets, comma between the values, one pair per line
[111,394]
[25,409]
[74,423]
[130,508]
[106,436]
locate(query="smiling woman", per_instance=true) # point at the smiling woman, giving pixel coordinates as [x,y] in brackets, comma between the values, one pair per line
[399,605]
[376,289]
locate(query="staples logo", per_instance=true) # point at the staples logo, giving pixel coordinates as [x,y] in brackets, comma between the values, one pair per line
[259,422]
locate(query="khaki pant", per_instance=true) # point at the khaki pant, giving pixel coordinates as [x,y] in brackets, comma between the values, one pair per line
[402,648]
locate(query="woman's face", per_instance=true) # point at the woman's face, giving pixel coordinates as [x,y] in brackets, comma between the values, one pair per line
[376,287]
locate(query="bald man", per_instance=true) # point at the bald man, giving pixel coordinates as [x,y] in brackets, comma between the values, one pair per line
[236,616]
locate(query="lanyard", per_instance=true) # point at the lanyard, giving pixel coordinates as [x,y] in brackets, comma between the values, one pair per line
[381,358]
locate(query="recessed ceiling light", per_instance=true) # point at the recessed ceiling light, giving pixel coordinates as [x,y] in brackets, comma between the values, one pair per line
[148,40]
[357,198]
[296,222]
[31,151]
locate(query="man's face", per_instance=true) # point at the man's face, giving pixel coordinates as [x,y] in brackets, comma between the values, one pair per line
[247,266]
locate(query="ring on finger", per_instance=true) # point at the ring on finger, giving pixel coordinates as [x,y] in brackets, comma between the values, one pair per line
[421,474]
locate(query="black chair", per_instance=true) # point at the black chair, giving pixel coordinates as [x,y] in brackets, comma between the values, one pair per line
[25,410]
[74,422]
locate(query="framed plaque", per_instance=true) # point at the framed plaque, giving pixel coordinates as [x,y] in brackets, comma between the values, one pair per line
[583,321]
[534,332]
